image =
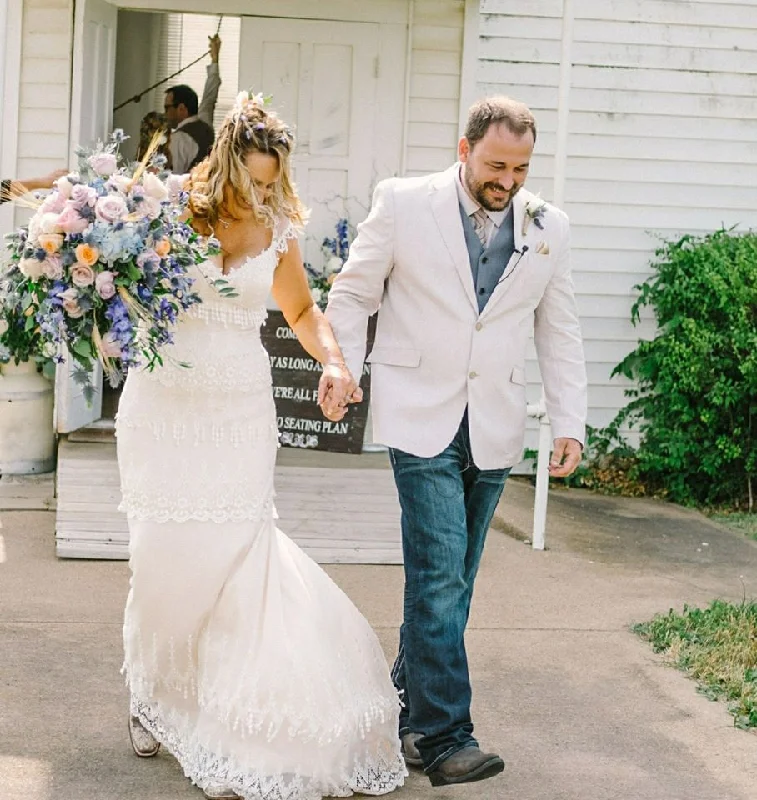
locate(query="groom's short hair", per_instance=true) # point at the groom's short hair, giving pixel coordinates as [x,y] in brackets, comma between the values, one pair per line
[187,95]
[499,110]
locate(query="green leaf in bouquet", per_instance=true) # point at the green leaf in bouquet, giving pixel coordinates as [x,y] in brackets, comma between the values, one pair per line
[83,349]
[30,323]
[133,272]
[224,288]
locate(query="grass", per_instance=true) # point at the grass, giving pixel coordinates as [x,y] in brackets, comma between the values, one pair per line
[744,523]
[716,646]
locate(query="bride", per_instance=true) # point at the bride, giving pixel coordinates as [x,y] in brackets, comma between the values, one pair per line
[243,658]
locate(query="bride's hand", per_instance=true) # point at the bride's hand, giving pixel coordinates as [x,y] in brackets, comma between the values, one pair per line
[336,390]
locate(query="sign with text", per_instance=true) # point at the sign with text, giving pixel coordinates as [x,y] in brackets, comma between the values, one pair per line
[295,391]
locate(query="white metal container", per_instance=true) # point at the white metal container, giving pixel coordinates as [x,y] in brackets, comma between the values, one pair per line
[27,437]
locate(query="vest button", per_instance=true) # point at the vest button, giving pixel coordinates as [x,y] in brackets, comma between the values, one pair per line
[485,259]
[482,291]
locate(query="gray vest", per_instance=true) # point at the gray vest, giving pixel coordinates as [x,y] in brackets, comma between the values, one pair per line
[488,264]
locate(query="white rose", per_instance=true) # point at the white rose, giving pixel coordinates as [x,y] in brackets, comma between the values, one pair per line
[3,326]
[49,350]
[121,182]
[150,207]
[31,268]
[64,186]
[334,264]
[175,185]
[49,223]
[35,227]
[154,187]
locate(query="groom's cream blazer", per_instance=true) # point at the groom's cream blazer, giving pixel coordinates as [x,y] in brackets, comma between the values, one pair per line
[434,354]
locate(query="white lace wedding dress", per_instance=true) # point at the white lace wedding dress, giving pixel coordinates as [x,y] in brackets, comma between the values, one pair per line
[242,656]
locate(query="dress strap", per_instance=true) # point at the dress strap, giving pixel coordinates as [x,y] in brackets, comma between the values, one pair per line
[283,231]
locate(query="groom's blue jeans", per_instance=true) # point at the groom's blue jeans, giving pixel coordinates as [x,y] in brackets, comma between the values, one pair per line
[447,506]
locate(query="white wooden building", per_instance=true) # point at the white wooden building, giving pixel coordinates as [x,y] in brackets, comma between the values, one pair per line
[646,111]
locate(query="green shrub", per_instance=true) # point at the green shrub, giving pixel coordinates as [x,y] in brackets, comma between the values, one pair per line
[695,400]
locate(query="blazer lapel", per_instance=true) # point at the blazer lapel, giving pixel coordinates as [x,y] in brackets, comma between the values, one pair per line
[446,210]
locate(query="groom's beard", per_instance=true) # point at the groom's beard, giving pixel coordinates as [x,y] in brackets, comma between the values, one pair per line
[482,193]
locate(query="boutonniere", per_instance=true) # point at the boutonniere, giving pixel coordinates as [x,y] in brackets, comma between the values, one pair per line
[535,209]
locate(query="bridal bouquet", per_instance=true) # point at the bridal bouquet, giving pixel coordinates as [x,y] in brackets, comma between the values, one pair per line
[101,268]
[335,252]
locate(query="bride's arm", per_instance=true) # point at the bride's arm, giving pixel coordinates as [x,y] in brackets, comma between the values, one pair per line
[292,294]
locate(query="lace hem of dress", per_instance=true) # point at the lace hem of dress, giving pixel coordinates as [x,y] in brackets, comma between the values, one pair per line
[145,506]
[228,314]
[379,773]
[198,431]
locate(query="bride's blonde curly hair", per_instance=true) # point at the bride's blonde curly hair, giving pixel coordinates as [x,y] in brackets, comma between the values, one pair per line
[221,186]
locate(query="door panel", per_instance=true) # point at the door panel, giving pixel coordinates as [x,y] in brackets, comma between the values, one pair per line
[95,27]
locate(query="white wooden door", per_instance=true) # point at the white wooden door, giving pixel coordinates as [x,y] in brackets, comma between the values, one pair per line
[324,78]
[94,67]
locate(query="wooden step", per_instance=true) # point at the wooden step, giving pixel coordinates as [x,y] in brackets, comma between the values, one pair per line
[336,514]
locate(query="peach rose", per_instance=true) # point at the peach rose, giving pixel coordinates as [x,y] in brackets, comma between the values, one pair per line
[50,242]
[87,255]
[82,275]
[70,303]
[163,248]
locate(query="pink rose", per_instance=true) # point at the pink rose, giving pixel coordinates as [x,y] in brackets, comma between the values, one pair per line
[53,203]
[52,268]
[31,268]
[71,221]
[110,347]
[104,285]
[82,275]
[82,195]
[70,303]
[103,163]
[111,208]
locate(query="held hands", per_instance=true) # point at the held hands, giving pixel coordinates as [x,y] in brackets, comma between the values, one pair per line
[565,458]
[336,390]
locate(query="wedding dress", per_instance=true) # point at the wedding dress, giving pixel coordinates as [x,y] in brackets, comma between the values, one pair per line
[242,657]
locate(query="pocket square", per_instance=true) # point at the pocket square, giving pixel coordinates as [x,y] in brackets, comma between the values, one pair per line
[542,249]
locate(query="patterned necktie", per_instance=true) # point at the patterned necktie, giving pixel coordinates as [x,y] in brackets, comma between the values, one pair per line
[481,224]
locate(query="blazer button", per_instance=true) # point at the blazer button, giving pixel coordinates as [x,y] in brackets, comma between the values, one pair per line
[473,375]
[479,326]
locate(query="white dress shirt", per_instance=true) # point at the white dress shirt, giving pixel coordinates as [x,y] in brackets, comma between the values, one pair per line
[471,206]
[183,146]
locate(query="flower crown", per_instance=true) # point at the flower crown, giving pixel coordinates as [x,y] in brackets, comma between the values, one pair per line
[247,98]
[260,101]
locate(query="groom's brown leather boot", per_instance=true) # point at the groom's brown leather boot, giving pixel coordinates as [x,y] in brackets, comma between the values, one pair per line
[465,766]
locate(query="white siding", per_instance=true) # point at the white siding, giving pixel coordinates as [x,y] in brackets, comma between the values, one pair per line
[434,107]
[661,139]
[45,87]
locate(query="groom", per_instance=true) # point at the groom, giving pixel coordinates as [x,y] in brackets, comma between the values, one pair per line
[465,266]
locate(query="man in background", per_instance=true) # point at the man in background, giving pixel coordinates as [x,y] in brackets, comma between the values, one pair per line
[192,121]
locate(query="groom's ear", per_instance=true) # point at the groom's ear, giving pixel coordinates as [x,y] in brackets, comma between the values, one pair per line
[463,149]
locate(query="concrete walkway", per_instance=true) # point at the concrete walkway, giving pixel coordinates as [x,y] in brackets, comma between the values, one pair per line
[577,705]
